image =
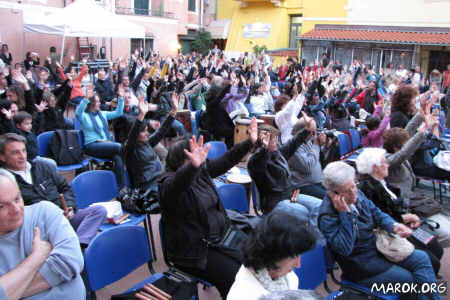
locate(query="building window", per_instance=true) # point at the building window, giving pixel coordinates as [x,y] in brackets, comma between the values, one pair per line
[191,5]
[141,7]
[295,30]
[139,43]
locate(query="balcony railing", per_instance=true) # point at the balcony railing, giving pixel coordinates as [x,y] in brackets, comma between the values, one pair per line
[144,12]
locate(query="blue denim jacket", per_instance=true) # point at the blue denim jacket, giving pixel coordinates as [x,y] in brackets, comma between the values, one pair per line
[351,239]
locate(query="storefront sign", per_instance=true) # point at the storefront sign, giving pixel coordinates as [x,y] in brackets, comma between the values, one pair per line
[257,30]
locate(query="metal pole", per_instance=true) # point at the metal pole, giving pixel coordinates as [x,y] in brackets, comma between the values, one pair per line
[62,46]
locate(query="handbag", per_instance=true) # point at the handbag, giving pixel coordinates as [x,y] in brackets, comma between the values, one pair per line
[393,247]
[424,206]
[138,202]
[349,292]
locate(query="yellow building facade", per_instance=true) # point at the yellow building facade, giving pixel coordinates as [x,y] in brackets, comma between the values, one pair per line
[270,22]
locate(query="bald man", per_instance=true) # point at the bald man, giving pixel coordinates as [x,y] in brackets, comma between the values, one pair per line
[40,256]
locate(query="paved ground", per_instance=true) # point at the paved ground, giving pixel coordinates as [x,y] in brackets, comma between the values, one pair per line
[212,293]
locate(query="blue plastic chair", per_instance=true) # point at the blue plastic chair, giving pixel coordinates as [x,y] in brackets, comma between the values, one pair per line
[99,186]
[216,150]
[312,271]
[115,253]
[356,139]
[344,144]
[97,159]
[234,196]
[44,150]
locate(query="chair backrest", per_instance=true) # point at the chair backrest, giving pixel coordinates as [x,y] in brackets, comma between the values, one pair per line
[115,253]
[216,150]
[356,138]
[43,141]
[344,144]
[234,196]
[312,271]
[94,186]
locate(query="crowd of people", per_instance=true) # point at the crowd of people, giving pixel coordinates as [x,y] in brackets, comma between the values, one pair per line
[308,195]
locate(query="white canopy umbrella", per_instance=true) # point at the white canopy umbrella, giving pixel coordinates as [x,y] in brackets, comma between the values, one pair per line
[82,18]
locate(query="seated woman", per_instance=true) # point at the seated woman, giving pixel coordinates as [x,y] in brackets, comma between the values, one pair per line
[373,166]
[347,220]
[287,109]
[400,148]
[269,169]
[193,216]
[372,136]
[97,139]
[305,164]
[270,254]
[141,160]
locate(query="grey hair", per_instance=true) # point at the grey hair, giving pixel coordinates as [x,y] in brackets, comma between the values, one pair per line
[217,80]
[369,158]
[9,138]
[292,295]
[337,174]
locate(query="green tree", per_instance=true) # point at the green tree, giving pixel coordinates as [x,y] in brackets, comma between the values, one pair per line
[202,42]
[258,49]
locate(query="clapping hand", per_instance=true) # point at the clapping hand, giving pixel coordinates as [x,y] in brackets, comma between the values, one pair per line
[198,154]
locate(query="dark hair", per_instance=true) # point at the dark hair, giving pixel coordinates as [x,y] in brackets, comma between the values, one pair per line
[53,49]
[21,116]
[394,138]
[9,138]
[276,237]
[402,98]
[372,123]
[281,101]
[175,156]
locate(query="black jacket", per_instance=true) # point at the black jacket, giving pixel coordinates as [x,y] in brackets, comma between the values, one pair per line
[105,90]
[375,191]
[216,119]
[270,172]
[399,119]
[31,143]
[142,163]
[50,119]
[192,212]
[47,185]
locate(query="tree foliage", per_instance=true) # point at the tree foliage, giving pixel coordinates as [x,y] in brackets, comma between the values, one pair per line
[202,42]
[258,49]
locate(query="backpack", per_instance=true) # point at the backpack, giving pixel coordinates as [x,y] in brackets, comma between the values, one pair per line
[65,148]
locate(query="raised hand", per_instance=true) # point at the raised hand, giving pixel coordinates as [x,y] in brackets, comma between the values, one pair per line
[121,92]
[143,108]
[264,139]
[253,131]
[7,113]
[174,109]
[197,155]
[42,106]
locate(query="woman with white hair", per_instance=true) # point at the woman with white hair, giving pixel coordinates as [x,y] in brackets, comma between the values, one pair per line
[374,168]
[347,220]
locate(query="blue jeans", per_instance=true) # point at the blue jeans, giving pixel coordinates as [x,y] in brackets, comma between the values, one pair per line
[87,221]
[415,268]
[306,209]
[176,125]
[109,150]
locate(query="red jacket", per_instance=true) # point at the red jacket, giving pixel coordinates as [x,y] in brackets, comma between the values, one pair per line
[77,90]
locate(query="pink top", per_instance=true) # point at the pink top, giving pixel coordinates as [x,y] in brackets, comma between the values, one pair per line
[375,137]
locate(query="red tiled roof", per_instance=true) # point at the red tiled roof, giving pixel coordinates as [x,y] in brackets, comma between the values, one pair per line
[394,37]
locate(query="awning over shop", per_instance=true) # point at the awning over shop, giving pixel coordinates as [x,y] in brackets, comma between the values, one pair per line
[380,34]
[219,28]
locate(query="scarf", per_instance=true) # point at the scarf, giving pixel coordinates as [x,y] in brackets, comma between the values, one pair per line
[97,129]
[279,284]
